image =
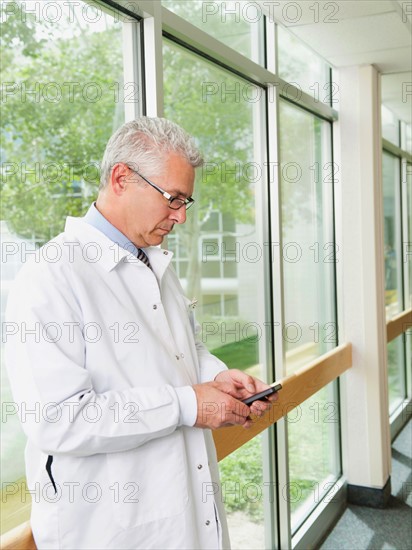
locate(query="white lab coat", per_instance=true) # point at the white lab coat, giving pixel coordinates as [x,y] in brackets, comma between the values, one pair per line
[100,344]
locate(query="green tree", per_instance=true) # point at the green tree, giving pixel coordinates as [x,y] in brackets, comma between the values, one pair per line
[197,96]
[60,103]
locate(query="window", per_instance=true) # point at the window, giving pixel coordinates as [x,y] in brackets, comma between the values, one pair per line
[223,265]
[406,137]
[53,142]
[310,330]
[393,275]
[396,372]
[392,235]
[396,273]
[226,271]
[390,126]
[237,24]
[407,245]
[302,67]
[408,270]
[64,96]
[314,452]
[308,247]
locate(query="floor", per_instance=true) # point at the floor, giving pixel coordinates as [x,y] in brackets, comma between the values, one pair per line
[362,528]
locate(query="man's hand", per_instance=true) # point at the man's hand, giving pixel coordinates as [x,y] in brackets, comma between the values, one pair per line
[218,404]
[247,385]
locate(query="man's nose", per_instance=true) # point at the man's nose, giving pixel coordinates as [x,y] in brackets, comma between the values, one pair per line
[179,216]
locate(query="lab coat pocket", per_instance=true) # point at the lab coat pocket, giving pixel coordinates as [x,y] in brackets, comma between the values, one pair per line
[150,483]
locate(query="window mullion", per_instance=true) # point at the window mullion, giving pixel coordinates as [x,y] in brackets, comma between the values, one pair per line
[283,504]
[153,62]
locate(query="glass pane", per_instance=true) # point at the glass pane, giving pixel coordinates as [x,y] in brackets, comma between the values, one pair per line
[242,492]
[390,126]
[392,235]
[238,24]
[393,274]
[408,292]
[300,65]
[308,247]
[221,231]
[309,294]
[314,461]
[408,246]
[63,101]
[406,137]
[396,380]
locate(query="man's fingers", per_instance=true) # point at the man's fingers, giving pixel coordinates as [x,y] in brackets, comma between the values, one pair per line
[232,388]
[237,412]
[258,411]
[246,381]
[238,420]
[239,409]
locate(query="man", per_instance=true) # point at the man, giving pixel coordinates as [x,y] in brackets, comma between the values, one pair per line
[119,453]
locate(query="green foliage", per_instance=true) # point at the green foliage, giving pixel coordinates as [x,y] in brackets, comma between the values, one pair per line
[18,30]
[222,126]
[242,483]
[239,355]
[242,480]
[222,19]
[58,110]
[52,142]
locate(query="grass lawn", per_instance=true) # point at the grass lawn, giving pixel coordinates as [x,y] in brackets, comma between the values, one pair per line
[239,355]
[310,439]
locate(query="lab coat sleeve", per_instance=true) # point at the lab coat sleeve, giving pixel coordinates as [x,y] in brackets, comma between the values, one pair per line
[53,392]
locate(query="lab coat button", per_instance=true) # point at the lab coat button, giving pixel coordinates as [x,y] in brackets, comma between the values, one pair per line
[165,252]
[177,357]
[199,466]
[154,306]
[182,355]
[207,522]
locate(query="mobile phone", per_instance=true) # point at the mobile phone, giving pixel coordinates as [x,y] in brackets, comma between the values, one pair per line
[261,395]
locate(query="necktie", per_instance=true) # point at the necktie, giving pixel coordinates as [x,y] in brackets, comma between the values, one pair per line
[143,258]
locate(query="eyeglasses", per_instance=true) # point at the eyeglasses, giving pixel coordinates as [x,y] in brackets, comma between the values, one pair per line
[174,202]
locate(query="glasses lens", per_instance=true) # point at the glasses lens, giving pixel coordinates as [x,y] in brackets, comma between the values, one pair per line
[175,204]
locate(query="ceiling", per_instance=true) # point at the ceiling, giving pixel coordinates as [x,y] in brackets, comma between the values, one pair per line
[362,32]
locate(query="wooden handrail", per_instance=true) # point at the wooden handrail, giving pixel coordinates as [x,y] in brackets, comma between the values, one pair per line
[19,538]
[398,325]
[295,389]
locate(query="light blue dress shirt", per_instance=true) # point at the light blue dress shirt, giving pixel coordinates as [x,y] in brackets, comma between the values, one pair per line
[97,220]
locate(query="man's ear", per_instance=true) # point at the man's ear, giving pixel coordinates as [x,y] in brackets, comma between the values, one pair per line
[118,178]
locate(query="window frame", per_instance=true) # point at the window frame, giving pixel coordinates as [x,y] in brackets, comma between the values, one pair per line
[278,533]
[397,414]
[143,40]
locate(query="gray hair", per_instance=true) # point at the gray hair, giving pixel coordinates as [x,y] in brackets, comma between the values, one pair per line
[143,143]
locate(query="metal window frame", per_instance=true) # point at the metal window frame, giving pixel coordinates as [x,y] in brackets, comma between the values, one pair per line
[397,416]
[159,22]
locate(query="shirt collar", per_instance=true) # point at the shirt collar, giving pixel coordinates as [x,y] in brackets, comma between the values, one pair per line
[94,228]
[97,220]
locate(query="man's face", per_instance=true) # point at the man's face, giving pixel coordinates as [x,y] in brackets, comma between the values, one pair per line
[147,215]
